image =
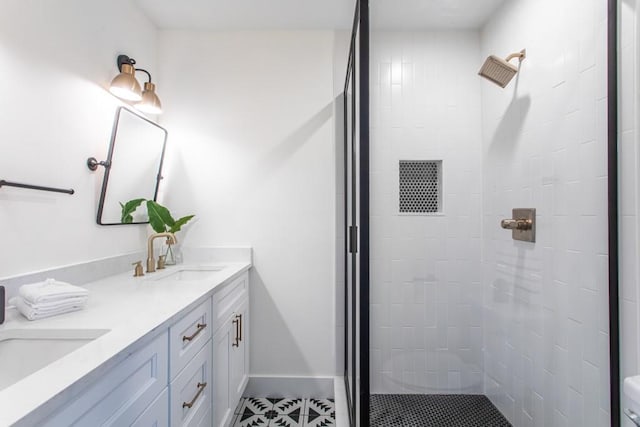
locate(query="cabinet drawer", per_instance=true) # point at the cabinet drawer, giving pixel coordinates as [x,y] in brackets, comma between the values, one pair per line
[156,415]
[226,299]
[123,394]
[206,420]
[188,335]
[191,391]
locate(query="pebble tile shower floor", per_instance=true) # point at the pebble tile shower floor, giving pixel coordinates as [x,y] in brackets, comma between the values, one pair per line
[274,412]
[434,410]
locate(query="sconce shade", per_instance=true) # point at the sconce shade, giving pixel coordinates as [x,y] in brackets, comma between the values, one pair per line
[150,102]
[125,85]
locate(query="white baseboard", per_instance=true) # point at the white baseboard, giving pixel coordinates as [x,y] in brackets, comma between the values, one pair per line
[290,387]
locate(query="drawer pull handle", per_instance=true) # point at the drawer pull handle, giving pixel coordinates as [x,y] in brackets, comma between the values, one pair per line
[240,328]
[236,339]
[200,327]
[201,387]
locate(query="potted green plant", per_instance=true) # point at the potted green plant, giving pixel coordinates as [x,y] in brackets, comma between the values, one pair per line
[160,220]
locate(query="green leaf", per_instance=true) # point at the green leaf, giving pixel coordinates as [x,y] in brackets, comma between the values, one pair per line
[159,217]
[179,223]
[128,209]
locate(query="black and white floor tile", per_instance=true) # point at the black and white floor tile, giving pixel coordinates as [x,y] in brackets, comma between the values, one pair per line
[419,410]
[280,412]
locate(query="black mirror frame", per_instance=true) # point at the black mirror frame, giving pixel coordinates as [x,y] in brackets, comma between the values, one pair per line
[107,165]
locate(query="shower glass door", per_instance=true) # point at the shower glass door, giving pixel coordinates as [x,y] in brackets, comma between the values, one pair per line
[355,211]
[468,326]
[351,233]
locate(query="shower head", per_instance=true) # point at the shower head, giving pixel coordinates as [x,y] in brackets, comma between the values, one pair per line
[501,71]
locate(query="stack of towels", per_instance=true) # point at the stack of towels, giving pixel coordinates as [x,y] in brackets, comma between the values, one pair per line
[49,298]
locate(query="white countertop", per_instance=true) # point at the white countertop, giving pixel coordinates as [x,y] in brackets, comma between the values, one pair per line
[130,308]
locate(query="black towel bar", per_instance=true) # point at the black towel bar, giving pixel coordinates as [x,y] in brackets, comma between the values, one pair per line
[35,187]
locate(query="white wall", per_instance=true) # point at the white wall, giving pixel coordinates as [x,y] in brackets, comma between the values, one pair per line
[629,164]
[56,61]
[250,120]
[544,146]
[426,313]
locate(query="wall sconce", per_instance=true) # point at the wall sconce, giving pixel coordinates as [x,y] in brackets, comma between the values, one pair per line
[126,86]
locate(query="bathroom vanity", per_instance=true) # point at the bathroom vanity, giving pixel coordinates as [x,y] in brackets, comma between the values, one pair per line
[167,349]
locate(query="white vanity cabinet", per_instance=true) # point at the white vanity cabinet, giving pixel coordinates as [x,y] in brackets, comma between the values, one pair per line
[124,393]
[190,364]
[230,348]
[191,392]
[192,374]
[188,335]
[239,361]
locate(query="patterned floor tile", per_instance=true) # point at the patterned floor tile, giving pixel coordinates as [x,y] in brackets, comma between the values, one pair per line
[256,405]
[321,407]
[415,410]
[271,419]
[292,419]
[251,420]
[313,421]
[287,406]
[284,412]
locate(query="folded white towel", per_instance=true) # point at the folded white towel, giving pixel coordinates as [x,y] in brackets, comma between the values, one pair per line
[56,305]
[34,312]
[51,290]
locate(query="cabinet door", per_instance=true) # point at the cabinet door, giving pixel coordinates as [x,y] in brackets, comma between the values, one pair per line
[191,392]
[157,414]
[187,336]
[120,396]
[239,362]
[222,410]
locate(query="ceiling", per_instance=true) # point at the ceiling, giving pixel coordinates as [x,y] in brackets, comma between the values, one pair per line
[249,14]
[431,14]
[315,14]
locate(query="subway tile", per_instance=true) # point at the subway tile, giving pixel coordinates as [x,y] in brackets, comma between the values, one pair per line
[534,326]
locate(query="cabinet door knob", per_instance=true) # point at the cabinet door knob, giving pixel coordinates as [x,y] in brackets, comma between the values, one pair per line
[201,387]
[200,327]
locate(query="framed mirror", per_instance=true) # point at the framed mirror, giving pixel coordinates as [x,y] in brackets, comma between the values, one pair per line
[133,167]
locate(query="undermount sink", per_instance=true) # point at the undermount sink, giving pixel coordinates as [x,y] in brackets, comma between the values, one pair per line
[189,273]
[25,351]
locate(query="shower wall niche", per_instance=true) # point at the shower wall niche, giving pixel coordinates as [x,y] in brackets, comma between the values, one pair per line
[426,290]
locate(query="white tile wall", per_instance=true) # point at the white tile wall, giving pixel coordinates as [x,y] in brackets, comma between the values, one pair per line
[426,331]
[544,146]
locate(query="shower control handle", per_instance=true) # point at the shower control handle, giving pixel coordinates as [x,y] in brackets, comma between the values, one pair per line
[516,224]
[522,224]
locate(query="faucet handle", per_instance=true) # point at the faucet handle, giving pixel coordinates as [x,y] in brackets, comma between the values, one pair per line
[161,262]
[138,269]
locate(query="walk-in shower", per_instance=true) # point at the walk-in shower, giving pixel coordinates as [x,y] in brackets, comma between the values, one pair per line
[454,317]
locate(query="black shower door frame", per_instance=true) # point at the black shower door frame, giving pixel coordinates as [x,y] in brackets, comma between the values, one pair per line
[361,285]
[351,225]
[356,217]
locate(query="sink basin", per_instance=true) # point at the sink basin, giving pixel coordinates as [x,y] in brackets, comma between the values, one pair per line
[25,351]
[190,273]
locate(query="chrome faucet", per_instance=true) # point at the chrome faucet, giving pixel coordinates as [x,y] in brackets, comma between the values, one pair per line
[151,262]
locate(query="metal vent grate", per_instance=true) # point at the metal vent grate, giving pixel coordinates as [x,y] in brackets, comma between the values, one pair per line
[420,186]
